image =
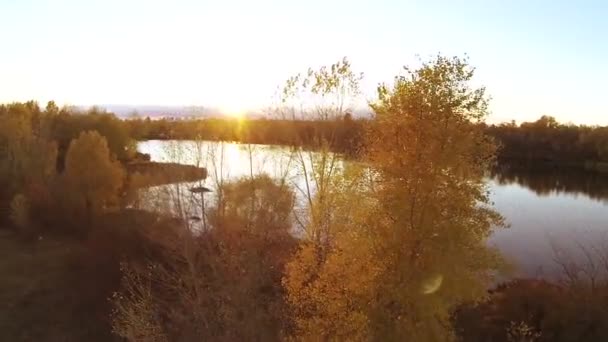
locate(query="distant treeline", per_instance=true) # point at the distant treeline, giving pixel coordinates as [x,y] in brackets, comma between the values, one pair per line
[543,140]
[548,140]
[343,134]
[62,125]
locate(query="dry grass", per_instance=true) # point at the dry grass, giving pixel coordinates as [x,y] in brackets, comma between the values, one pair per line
[38,301]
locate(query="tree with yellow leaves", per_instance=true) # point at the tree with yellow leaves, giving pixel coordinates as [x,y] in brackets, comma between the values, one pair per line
[412,244]
[92,176]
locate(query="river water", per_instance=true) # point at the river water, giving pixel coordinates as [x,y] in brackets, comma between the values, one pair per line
[551,213]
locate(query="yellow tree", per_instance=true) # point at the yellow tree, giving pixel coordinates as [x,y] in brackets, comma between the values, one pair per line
[413,245]
[93,177]
[329,283]
[431,157]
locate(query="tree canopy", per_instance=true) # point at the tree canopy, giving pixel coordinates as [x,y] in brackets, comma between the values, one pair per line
[412,245]
[92,174]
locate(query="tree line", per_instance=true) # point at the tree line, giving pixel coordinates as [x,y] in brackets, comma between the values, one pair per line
[54,156]
[543,141]
[344,133]
[548,140]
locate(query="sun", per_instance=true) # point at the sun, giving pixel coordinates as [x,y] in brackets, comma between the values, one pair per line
[233,111]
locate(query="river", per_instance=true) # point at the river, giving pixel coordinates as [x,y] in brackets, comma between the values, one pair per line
[550,212]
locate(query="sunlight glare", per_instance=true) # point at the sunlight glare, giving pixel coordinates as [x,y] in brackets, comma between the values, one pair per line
[233,111]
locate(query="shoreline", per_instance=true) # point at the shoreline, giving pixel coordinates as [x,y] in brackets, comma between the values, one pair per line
[149,173]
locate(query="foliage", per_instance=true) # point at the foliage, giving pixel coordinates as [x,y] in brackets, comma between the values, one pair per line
[412,246]
[322,94]
[542,141]
[92,177]
[431,158]
[135,318]
[535,310]
[257,203]
[550,141]
[33,144]
[15,137]
[329,281]
[221,283]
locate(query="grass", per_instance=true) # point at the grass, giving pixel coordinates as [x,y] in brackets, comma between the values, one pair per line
[38,299]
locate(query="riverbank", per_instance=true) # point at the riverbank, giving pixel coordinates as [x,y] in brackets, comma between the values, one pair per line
[42,301]
[151,173]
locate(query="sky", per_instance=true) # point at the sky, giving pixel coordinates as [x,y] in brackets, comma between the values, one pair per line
[535,57]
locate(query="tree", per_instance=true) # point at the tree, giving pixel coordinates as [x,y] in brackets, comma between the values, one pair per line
[116,133]
[325,94]
[15,138]
[93,177]
[26,158]
[413,245]
[546,121]
[329,281]
[51,108]
[431,158]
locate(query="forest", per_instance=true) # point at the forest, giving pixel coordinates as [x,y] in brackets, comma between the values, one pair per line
[539,142]
[390,247]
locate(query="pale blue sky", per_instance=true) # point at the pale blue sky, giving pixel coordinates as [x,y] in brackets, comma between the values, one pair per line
[535,57]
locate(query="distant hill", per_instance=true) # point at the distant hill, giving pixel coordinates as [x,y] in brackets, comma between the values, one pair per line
[183,112]
[126,111]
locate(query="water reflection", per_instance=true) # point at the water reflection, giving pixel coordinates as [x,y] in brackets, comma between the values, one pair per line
[227,162]
[544,206]
[548,209]
[551,181]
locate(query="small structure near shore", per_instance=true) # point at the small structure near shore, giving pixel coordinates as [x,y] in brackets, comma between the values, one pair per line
[199,190]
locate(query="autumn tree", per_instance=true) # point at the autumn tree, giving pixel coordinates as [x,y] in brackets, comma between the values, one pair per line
[325,94]
[93,177]
[431,158]
[334,199]
[413,246]
[116,133]
[27,157]
[329,281]
[15,138]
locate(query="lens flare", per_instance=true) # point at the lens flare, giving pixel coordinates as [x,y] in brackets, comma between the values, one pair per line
[432,284]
